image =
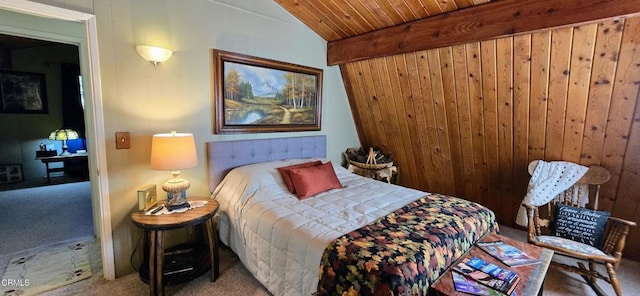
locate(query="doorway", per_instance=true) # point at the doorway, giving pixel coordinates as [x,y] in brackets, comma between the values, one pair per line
[90,70]
[48,73]
[66,207]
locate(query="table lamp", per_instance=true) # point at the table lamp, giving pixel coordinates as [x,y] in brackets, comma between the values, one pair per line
[173,152]
[63,135]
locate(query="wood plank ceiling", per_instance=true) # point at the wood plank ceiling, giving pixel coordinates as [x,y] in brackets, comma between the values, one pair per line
[466,119]
[338,19]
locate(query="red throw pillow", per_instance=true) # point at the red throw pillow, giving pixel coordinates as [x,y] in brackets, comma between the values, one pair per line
[312,180]
[286,176]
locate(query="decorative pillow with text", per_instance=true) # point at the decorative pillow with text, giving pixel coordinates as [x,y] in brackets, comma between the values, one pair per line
[579,224]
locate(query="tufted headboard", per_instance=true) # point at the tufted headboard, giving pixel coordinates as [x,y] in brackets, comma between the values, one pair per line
[226,155]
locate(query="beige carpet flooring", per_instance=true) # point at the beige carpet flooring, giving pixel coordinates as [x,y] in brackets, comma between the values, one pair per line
[236,280]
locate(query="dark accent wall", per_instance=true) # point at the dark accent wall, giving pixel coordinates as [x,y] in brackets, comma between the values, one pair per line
[26,131]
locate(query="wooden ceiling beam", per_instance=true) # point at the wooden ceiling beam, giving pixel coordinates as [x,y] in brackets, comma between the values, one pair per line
[482,22]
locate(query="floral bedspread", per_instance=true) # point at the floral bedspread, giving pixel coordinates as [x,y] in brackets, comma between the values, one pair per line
[406,251]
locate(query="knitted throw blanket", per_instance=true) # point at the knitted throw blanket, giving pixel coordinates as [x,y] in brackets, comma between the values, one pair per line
[548,180]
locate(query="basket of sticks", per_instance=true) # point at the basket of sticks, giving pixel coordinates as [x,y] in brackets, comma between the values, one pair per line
[373,160]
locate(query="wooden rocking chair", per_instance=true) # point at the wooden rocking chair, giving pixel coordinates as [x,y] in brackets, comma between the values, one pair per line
[541,222]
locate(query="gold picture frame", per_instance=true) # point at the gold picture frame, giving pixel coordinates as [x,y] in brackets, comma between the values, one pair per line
[255,95]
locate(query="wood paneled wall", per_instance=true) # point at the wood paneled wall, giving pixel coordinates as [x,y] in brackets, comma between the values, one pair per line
[466,120]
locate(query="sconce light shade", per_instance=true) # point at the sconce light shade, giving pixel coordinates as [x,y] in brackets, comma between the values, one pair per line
[154,54]
[173,152]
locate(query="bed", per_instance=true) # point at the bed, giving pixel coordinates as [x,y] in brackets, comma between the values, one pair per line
[284,241]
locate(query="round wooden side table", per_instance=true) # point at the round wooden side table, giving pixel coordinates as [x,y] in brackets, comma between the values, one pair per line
[183,262]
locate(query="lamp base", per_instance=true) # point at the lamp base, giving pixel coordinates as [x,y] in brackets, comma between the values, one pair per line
[64,149]
[176,189]
[176,198]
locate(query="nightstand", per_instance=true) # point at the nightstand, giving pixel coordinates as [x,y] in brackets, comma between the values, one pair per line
[183,262]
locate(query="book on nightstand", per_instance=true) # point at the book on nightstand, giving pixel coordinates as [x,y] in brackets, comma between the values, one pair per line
[508,254]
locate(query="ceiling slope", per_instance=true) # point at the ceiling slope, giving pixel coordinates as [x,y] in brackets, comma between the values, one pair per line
[363,29]
[339,19]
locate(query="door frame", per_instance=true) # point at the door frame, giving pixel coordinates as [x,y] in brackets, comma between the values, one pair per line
[94,118]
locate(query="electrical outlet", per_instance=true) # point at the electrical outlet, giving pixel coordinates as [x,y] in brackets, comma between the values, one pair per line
[123,140]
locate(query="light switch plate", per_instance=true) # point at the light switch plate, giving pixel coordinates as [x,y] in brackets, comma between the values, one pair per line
[123,140]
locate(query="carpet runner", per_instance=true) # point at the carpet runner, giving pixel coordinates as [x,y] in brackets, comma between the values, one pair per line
[47,269]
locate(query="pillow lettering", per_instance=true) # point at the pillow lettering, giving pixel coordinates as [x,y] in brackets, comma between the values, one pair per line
[580,224]
[312,180]
[286,175]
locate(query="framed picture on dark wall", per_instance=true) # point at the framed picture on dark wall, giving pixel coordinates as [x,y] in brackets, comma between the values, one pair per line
[10,173]
[22,92]
[254,95]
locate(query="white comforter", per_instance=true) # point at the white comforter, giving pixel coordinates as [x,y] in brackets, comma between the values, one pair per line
[281,239]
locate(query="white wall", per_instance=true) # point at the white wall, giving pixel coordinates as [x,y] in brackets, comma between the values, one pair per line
[177,94]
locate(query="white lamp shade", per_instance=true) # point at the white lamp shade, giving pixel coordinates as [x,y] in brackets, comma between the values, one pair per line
[174,151]
[154,54]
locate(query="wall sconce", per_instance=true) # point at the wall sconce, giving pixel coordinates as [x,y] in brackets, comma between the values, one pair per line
[154,54]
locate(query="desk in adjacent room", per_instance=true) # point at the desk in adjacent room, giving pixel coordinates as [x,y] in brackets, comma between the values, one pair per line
[82,158]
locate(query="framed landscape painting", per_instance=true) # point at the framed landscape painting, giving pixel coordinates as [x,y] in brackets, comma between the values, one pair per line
[261,95]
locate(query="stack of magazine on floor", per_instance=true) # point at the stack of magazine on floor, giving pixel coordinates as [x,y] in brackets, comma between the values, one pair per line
[478,277]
